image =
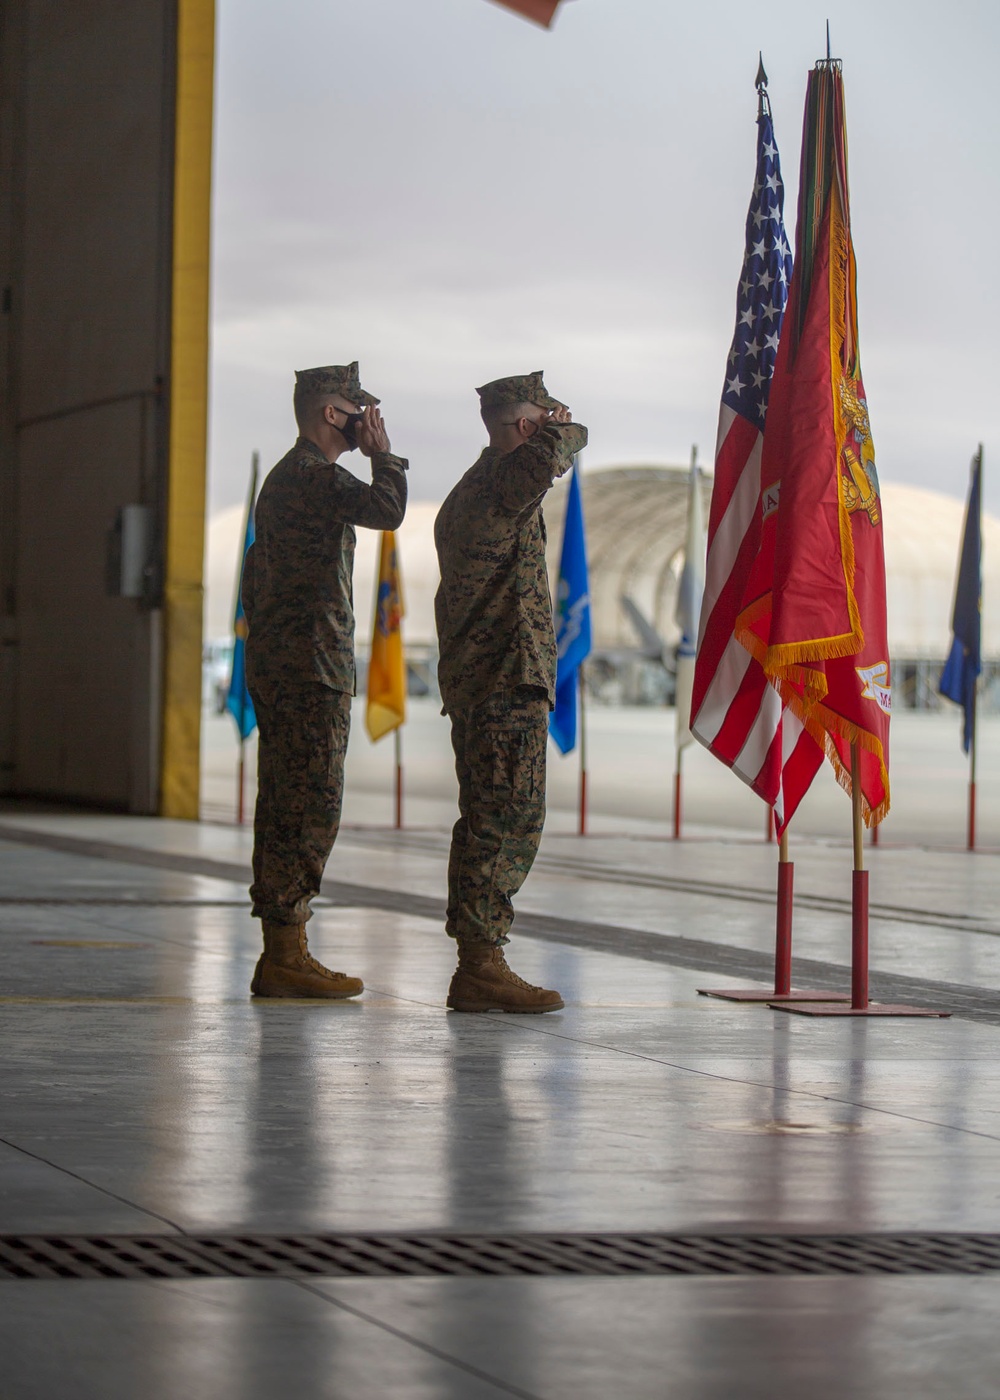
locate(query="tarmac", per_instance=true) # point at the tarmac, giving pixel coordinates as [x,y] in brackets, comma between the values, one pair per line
[648,1194]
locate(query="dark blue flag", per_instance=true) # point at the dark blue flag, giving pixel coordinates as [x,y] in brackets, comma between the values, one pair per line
[572,618]
[238,701]
[961,670]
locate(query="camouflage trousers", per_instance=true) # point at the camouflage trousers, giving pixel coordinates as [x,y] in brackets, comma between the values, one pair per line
[500,761]
[300,787]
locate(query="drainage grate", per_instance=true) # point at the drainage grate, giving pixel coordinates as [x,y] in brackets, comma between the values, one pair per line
[463,1255]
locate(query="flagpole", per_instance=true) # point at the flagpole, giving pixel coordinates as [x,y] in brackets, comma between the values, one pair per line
[398,737]
[782,995]
[677,796]
[583,756]
[859,894]
[768,824]
[972,764]
[975,679]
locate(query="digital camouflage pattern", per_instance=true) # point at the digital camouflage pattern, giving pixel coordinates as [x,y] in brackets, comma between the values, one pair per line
[298,591]
[335,379]
[304,727]
[517,388]
[493,608]
[500,761]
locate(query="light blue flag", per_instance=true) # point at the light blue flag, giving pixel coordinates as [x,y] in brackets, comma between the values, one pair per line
[238,701]
[572,618]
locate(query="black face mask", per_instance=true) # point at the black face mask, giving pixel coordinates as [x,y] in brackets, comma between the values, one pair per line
[349,430]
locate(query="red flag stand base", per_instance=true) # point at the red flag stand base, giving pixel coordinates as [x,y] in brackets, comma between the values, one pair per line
[874,1008]
[859,1004]
[782,949]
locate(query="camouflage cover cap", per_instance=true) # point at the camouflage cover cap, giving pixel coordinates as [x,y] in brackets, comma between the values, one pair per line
[517,388]
[335,379]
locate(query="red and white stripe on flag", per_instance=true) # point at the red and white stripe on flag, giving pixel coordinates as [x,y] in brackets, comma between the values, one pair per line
[736,712]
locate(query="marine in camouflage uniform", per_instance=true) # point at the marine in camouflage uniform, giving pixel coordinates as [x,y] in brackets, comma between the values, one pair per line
[298,597]
[497,673]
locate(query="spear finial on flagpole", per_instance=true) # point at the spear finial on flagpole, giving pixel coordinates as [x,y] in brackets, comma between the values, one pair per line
[828,53]
[760,82]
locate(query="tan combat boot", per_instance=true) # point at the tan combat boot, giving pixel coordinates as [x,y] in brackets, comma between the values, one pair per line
[484,982]
[286,968]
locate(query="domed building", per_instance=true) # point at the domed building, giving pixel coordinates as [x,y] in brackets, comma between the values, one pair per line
[636,519]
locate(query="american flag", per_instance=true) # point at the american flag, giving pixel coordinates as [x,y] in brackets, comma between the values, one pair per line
[737,714]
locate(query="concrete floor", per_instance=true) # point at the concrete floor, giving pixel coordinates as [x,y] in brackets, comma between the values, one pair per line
[143,1092]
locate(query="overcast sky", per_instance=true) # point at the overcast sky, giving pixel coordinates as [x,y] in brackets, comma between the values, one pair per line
[449,193]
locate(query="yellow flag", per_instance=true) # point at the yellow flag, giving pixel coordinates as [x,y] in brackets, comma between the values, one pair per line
[387,667]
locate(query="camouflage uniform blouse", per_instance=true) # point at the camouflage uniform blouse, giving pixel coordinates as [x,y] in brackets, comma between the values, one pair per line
[493,609]
[298,590]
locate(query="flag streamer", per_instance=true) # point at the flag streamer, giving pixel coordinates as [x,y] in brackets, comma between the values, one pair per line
[541,11]
[961,671]
[572,619]
[386,708]
[238,701]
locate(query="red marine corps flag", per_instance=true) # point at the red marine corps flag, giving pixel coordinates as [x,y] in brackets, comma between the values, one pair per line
[813,610]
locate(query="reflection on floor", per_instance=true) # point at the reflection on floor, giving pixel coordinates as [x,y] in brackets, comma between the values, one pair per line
[145,1094]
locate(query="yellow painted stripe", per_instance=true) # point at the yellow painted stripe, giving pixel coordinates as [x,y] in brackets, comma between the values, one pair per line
[183,589]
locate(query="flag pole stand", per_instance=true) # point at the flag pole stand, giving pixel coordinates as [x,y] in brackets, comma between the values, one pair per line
[782,946]
[859,1004]
[240,783]
[398,742]
[583,757]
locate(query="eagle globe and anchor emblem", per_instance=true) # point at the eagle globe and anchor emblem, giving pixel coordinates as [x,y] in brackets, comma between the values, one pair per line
[859,479]
[861,493]
[389,606]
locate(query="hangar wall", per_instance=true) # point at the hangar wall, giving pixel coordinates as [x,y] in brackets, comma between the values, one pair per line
[104,403]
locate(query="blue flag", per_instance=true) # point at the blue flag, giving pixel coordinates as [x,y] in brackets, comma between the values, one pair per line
[572,618]
[958,679]
[238,701]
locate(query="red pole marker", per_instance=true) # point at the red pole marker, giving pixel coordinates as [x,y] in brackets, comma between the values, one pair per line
[972,816]
[782,993]
[859,941]
[783,922]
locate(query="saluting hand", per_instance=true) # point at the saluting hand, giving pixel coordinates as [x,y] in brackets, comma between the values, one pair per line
[372,436]
[562,414]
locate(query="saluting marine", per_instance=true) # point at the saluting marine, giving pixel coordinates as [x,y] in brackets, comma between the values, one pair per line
[298,598]
[497,673]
